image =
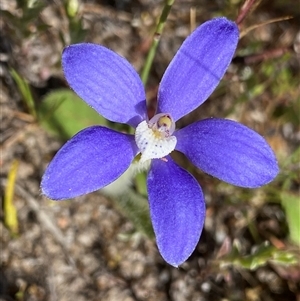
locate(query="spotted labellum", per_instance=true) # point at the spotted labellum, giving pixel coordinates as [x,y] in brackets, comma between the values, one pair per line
[97,156]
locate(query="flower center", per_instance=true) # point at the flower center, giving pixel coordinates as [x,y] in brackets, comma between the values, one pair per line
[154,138]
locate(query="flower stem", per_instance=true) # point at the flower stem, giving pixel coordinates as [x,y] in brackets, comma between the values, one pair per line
[156,38]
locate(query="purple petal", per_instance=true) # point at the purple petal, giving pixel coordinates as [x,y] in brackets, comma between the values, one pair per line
[92,159]
[105,81]
[177,210]
[197,67]
[229,151]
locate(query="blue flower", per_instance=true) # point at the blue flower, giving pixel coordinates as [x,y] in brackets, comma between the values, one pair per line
[97,155]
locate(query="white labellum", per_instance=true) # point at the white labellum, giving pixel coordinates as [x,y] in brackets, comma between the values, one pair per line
[154,138]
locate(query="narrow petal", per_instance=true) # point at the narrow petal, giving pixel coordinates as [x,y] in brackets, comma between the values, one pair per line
[177,210]
[105,81]
[92,159]
[197,67]
[229,151]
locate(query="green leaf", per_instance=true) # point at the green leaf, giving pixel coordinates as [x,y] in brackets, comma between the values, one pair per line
[25,91]
[264,254]
[291,204]
[63,114]
[10,211]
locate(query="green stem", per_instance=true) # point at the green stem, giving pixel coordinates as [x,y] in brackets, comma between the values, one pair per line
[156,39]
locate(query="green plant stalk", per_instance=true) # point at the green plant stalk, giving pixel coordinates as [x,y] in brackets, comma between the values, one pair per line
[290,200]
[156,38]
[291,205]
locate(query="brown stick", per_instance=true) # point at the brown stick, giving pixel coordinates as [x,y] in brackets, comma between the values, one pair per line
[244,11]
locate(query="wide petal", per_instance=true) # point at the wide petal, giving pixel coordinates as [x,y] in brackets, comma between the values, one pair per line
[197,67]
[92,159]
[105,81]
[177,210]
[229,151]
